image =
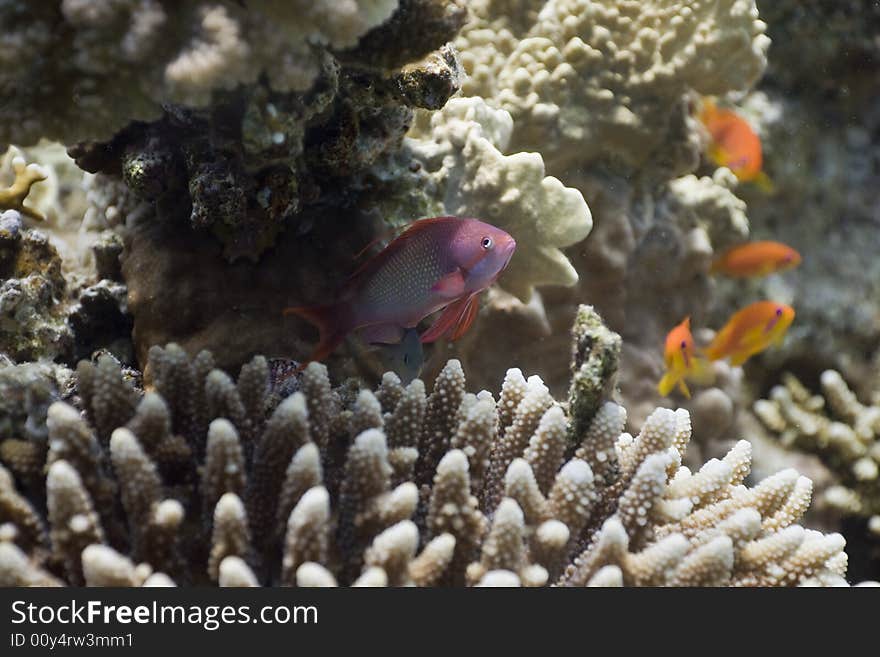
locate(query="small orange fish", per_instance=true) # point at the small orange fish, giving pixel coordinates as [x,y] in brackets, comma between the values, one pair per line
[734,144]
[755,259]
[750,331]
[682,362]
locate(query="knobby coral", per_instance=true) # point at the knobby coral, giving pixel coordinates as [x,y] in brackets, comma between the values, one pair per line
[127,58]
[587,80]
[245,162]
[24,177]
[843,431]
[197,480]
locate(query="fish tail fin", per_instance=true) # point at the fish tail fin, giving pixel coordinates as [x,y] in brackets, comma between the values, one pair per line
[763,182]
[667,383]
[739,358]
[332,329]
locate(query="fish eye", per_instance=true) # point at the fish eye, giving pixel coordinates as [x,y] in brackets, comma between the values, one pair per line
[487,243]
[684,344]
[406,359]
[779,312]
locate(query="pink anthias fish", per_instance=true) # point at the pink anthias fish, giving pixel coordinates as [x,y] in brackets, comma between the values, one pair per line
[443,262]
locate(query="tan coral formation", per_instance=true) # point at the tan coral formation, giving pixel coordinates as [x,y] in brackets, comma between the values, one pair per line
[462,149]
[128,58]
[594,79]
[531,511]
[840,429]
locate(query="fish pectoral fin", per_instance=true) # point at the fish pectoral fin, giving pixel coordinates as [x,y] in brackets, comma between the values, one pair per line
[667,383]
[718,155]
[763,182]
[702,372]
[467,317]
[446,322]
[381,334]
[450,286]
[682,386]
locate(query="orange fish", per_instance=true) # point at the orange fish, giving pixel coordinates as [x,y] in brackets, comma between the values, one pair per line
[682,362]
[734,144]
[750,331]
[756,259]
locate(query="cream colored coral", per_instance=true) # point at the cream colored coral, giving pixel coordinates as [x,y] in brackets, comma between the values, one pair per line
[338,24]
[216,59]
[25,176]
[461,148]
[604,78]
[234,572]
[231,535]
[647,521]
[843,431]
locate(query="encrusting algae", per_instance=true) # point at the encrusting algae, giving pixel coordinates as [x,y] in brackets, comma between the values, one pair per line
[197,481]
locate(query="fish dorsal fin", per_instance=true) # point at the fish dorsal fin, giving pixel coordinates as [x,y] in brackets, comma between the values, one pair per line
[450,286]
[415,228]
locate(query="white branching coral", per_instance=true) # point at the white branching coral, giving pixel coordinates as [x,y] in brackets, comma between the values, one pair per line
[840,429]
[530,511]
[462,149]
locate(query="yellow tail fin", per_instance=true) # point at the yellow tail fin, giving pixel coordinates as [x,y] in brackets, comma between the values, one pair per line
[763,182]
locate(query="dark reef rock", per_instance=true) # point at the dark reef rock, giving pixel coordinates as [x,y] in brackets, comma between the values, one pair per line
[415,29]
[248,166]
[181,288]
[100,320]
[32,288]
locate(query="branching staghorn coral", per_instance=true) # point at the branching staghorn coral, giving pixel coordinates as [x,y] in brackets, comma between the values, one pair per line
[841,430]
[509,495]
